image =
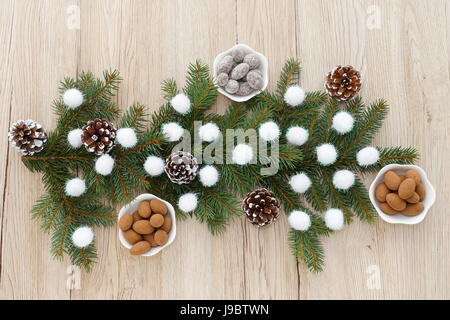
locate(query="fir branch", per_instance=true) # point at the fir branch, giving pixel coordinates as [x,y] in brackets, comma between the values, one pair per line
[289,75]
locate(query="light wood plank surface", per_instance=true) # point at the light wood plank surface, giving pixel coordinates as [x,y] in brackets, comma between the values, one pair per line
[402,49]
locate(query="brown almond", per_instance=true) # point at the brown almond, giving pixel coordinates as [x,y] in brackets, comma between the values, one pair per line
[395,202]
[421,191]
[413,174]
[406,188]
[156,220]
[158,206]
[140,247]
[143,227]
[125,222]
[413,209]
[167,225]
[144,209]
[136,216]
[132,236]
[151,238]
[392,180]
[161,237]
[414,198]
[381,191]
[387,209]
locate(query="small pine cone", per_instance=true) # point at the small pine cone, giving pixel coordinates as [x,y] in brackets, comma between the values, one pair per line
[261,207]
[98,136]
[343,83]
[181,167]
[27,136]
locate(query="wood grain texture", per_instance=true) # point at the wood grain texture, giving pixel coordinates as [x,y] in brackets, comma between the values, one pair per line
[405,61]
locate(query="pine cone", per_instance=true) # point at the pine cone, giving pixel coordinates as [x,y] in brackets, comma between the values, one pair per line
[27,136]
[98,136]
[261,207]
[181,167]
[343,83]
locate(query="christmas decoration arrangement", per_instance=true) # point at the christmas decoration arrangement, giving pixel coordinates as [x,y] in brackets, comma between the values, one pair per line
[322,144]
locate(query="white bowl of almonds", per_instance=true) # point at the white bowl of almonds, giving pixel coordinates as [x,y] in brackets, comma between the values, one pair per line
[147,225]
[241,73]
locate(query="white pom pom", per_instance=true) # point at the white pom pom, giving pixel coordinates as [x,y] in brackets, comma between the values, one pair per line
[104,165]
[269,131]
[154,166]
[172,131]
[242,154]
[300,183]
[188,202]
[73,98]
[208,176]
[297,135]
[367,156]
[334,219]
[294,96]
[75,187]
[181,103]
[343,179]
[299,220]
[126,137]
[209,132]
[326,154]
[82,237]
[74,138]
[343,122]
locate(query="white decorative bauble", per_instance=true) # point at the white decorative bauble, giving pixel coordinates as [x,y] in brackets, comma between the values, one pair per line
[299,220]
[294,96]
[343,122]
[334,219]
[75,187]
[104,165]
[82,237]
[297,135]
[343,179]
[172,131]
[300,183]
[269,131]
[326,154]
[74,138]
[73,98]
[208,176]
[188,202]
[126,137]
[154,166]
[209,132]
[181,103]
[367,156]
[242,154]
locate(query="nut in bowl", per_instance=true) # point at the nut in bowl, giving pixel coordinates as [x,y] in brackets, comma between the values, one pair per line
[402,194]
[147,225]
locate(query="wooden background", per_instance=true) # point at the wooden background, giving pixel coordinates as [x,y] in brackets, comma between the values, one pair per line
[405,60]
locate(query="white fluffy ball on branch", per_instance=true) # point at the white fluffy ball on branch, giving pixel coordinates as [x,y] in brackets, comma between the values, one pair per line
[334,219]
[209,176]
[299,220]
[269,131]
[172,131]
[297,135]
[242,154]
[104,165]
[75,187]
[300,182]
[82,237]
[326,154]
[343,122]
[74,138]
[181,103]
[126,137]
[209,132]
[73,98]
[154,166]
[294,96]
[188,202]
[367,156]
[343,179]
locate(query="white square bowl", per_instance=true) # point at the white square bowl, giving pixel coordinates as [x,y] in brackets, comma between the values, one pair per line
[430,197]
[133,206]
[264,68]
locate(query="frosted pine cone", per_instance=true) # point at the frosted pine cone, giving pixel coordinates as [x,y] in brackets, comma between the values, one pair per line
[27,136]
[98,136]
[261,207]
[181,167]
[343,83]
